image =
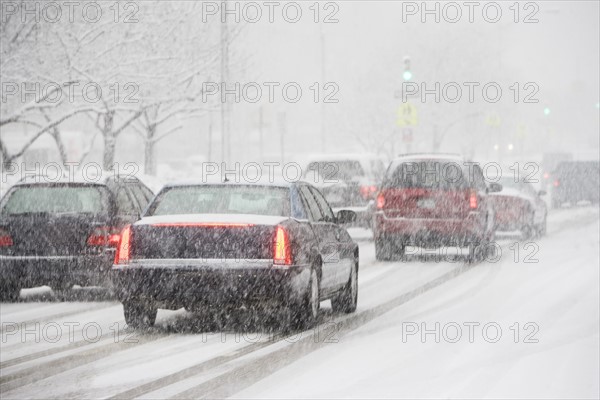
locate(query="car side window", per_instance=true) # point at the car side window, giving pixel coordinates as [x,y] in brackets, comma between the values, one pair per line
[323,205]
[136,190]
[310,204]
[147,192]
[478,179]
[125,205]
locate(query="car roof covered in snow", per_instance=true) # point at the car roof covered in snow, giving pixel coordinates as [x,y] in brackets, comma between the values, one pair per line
[76,178]
[343,157]
[403,158]
[240,181]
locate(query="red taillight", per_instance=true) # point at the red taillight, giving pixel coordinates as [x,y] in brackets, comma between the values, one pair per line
[556,183]
[104,236]
[473,200]
[367,192]
[124,247]
[281,249]
[5,239]
[380,201]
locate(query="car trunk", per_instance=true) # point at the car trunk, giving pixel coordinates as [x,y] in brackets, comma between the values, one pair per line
[426,203]
[202,241]
[45,234]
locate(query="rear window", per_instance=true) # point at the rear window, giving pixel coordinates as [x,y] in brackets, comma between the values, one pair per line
[222,199]
[428,174]
[55,199]
[334,171]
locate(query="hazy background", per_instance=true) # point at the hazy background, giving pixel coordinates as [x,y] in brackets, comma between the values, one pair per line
[363,55]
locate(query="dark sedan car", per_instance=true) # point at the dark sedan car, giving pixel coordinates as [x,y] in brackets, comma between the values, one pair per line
[212,247]
[64,232]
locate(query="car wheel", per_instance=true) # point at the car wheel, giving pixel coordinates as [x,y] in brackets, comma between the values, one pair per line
[528,229]
[306,313]
[63,292]
[347,300]
[138,314]
[9,292]
[383,249]
[542,228]
[556,203]
[477,252]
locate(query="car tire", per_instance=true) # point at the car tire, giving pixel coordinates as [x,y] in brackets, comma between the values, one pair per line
[63,292]
[346,301]
[305,314]
[542,228]
[9,292]
[477,252]
[138,314]
[383,249]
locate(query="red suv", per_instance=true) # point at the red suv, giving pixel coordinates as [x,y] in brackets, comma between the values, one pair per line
[433,200]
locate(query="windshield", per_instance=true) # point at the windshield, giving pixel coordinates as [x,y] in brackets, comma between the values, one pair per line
[222,199]
[429,175]
[55,199]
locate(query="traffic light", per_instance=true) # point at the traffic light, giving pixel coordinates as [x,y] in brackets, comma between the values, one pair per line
[546,111]
[407,75]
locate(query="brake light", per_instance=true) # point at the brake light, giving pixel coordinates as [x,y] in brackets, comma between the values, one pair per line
[368,191]
[556,183]
[104,236]
[281,250]
[5,239]
[473,200]
[380,201]
[124,248]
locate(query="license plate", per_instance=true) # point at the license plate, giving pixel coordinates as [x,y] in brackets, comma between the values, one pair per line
[426,203]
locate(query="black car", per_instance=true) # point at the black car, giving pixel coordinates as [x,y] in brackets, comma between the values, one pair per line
[214,247]
[64,233]
[575,181]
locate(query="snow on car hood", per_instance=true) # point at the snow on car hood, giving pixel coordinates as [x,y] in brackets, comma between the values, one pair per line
[213,218]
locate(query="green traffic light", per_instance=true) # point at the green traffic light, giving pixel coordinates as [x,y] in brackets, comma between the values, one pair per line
[546,111]
[407,75]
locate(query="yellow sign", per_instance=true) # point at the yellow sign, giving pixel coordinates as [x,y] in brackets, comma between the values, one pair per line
[407,115]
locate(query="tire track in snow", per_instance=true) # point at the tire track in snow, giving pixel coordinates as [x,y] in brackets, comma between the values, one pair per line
[47,318]
[239,377]
[54,367]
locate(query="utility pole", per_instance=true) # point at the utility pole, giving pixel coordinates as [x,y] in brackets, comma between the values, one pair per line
[260,131]
[225,142]
[322,105]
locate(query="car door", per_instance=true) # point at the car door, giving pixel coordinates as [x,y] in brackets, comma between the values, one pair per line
[343,248]
[327,243]
[539,208]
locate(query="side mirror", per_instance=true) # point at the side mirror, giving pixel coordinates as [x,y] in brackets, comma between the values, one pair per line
[494,187]
[542,193]
[345,217]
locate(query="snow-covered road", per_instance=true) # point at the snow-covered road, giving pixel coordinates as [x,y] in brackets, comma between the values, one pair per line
[541,337]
